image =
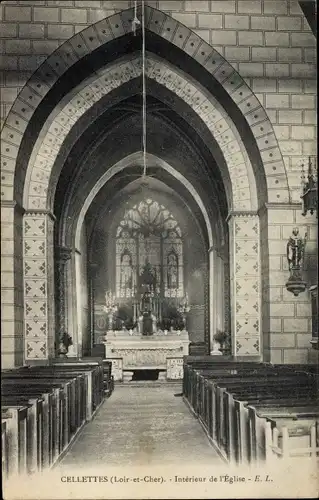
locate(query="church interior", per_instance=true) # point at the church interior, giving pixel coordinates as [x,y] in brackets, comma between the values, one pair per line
[159,232]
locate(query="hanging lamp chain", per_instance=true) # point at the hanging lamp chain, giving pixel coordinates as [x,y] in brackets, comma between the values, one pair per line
[144,88]
[135,23]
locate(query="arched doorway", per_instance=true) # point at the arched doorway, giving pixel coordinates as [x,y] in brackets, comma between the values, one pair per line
[245,160]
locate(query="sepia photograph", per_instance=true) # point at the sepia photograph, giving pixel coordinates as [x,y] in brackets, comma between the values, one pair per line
[159,268]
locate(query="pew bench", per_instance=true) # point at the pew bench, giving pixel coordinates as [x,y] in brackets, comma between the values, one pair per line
[237,417]
[45,428]
[56,417]
[34,429]
[226,424]
[73,386]
[66,418]
[289,422]
[210,386]
[15,417]
[43,408]
[4,449]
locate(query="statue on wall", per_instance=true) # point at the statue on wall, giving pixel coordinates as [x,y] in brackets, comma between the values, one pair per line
[295,256]
[295,249]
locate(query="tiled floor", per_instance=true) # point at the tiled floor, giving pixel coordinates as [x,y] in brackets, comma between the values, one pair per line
[142,425]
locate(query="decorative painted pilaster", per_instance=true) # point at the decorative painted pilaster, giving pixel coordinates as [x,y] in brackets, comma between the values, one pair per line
[78,308]
[220,294]
[38,277]
[216,285]
[212,294]
[245,283]
[227,309]
[63,255]
[91,274]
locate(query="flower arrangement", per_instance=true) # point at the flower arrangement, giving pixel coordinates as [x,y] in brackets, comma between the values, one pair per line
[220,337]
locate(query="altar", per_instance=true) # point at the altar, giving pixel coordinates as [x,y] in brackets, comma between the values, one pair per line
[147,305]
[161,351]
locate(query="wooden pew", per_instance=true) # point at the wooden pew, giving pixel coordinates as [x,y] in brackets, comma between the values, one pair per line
[16,431]
[65,396]
[4,449]
[93,373]
[238,438]
[294,415]
[228,364]
[46,427]
[34,428]
[236,374]
[103,376]
[211,390]
[62,408]
[283,450]
[218,423]
[223,418]
[77,398]
[73,386]
[78,389]
[218,369]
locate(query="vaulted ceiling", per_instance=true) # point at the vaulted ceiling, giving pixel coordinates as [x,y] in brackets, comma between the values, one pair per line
[175,134]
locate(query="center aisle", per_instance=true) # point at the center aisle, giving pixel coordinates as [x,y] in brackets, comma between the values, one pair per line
[142,425]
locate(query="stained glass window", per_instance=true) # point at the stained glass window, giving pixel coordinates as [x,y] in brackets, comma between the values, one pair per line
[149,235]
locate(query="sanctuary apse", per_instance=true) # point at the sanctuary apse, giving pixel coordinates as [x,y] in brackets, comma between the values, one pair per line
[155,274]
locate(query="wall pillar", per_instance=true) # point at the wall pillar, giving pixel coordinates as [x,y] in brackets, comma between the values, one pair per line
[12,343]
[78,305]
[245,284]
[216,292]
[38,278]
[220,316]
[212,294]
[63,256]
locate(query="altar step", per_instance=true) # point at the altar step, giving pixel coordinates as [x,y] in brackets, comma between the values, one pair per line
[149,383]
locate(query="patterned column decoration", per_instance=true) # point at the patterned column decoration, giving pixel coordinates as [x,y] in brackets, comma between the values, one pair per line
[227,309]
[63,255]
[38,286]
[245,284]
[212,294]
[206,310]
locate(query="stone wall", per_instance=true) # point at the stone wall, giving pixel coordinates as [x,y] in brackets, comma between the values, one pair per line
[286,338]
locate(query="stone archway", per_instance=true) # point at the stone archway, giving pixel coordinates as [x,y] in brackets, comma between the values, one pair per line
[96,36]
[29,186]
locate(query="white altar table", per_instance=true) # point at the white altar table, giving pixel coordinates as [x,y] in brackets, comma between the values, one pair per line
[160,351]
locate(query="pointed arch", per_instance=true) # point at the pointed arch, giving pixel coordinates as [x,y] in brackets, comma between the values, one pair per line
[95,37]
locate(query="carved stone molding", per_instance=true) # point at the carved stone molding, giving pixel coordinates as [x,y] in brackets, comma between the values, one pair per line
[12,204]
[38,213]
[241,213]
